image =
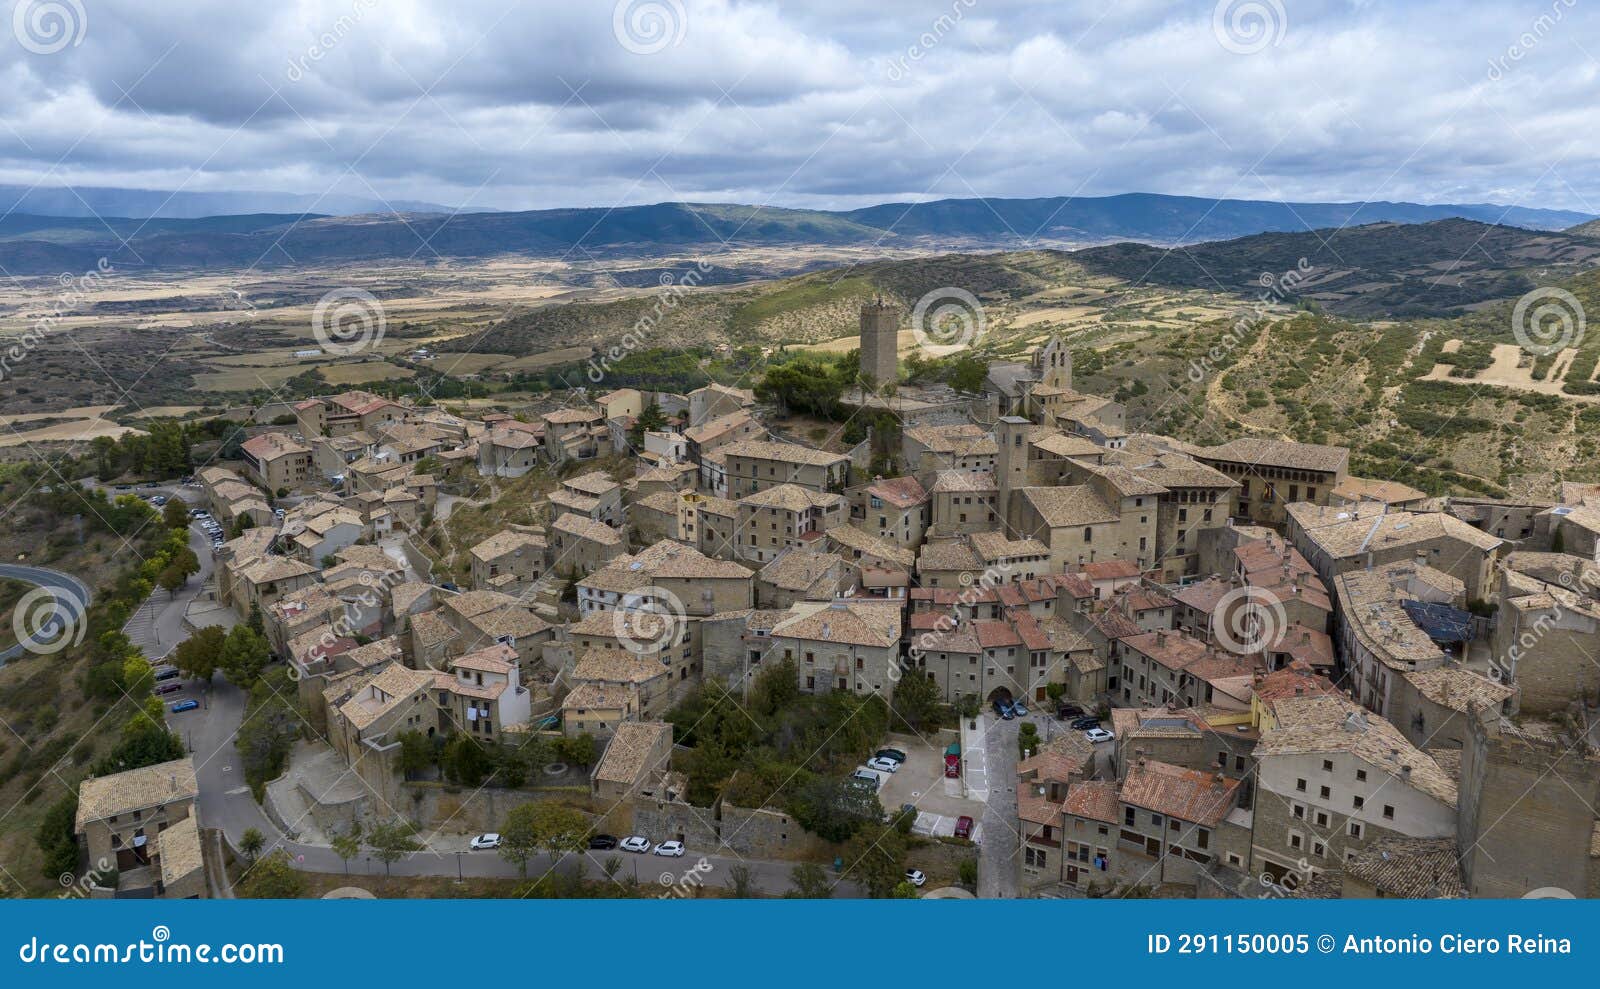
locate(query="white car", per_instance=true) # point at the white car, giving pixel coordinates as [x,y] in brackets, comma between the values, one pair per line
[883,765]
[1098,735]
[485,842]
[671,849]
[915,877]
[635,843]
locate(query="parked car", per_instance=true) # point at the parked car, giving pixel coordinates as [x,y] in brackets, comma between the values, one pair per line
[198,513]
[1018,708]
[894,754]
[1098,735]
[635,843]
[166,671]
[952,760]
[170,687]
[671,849]
[485,842]
[1084,724]
[603,841]
[915,877]
[1069,711]
[183,706]
[883,765]
[868,777]
[963,826]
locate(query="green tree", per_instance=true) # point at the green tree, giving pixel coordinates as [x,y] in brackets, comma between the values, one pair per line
[834,809]
[198,655]
[811,882]
[917,701]
[579,749]
[416,753]
[465,761]
[175,513]
[390,842]
[244,656]
[967,872]
[251,843]
[347,846]
[57,839]
[520,836]
[740,881]
[875,858]
[273,878]
[145,741]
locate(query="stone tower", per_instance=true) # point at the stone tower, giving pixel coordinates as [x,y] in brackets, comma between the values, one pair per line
[880,336]
[1053,363]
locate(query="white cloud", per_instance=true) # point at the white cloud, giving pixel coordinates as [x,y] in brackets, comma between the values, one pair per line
[767,103]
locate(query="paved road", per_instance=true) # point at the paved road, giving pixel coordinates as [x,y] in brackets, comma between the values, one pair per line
[71,600]
[997,854]
[157,627]
[225,803]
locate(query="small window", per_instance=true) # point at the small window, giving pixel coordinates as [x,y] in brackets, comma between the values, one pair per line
[1327,765]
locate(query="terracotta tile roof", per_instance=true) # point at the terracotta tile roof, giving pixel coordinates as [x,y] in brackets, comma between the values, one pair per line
[1409,868]
[1094,800]
[627,754]
[1187,794]
[788,453]
[901,492]
[617,666]
[855,622]
[1334,724]
[963,482]
[101,797]
[1278,453]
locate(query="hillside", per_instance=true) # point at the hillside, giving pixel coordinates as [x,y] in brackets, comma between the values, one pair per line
[1381,270]
[33,244]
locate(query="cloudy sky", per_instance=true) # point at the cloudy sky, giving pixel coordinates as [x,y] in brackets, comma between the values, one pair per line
[826,103]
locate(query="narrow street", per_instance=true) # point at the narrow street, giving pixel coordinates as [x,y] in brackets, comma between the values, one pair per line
[997,855]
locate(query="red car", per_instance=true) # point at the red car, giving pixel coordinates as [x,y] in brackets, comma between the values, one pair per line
[963,827]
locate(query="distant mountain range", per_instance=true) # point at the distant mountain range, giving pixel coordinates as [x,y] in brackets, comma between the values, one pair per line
[33,243]
[92,201]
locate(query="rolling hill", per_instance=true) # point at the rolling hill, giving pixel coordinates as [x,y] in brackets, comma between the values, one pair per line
[34,245]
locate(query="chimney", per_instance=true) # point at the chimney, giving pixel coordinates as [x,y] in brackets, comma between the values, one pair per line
[1405,773]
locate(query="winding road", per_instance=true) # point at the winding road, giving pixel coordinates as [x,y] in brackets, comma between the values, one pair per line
[71,598]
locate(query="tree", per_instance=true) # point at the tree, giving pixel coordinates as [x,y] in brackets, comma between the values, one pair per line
[145,742]
[273,878]
[578,749]
[389,842]
[875,858]
[56,837]
[916,700]
[244,656]
[967,872]
[520,838]
[175,513]
[197,656]
[740,881]
[833,808]
[416,753]
[347,846]
[251,843]
[465,761]
[811,882]
[903,890]
[171,579]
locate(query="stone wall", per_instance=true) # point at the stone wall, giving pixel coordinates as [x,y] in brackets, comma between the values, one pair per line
[467,810]
[767,834]
[661,820]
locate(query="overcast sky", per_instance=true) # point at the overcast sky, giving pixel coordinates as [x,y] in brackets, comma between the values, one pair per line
[825,103]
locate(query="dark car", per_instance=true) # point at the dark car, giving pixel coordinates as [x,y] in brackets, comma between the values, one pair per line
[1003,709]
[603,841]
[894,754]
[1084,724]
[963,826]
[170,687]
[1069,711]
